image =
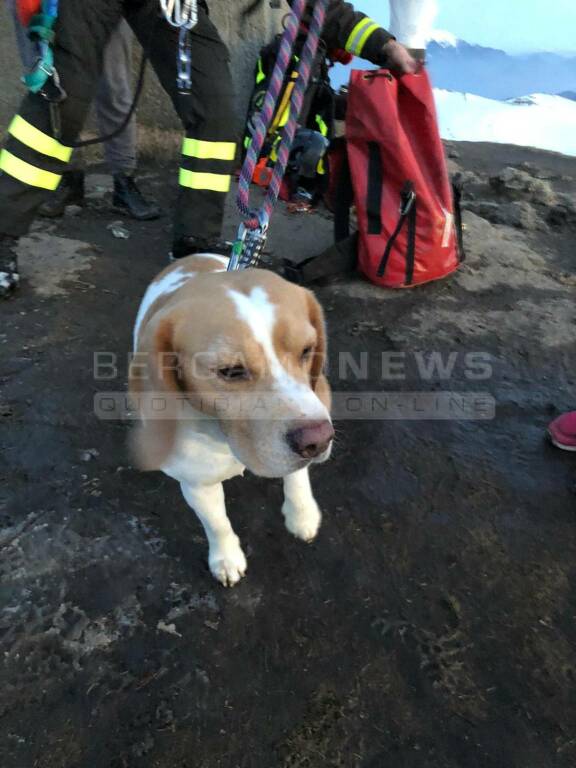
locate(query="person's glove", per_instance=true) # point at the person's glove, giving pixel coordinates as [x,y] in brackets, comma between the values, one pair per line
[397,58]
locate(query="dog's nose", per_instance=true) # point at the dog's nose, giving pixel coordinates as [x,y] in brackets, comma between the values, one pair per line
[311,439]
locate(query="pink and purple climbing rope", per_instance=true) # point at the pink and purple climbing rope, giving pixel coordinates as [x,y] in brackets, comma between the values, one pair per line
[254,217]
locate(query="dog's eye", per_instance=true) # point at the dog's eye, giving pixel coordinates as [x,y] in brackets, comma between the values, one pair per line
[306,353]
[234,373]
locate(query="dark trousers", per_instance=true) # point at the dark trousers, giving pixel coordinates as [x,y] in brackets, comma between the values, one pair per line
[32,161]
[113,98]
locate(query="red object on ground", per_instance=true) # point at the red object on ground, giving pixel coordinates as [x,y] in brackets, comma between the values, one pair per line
[262,173]
[26,9]
[562,431]
[397,165]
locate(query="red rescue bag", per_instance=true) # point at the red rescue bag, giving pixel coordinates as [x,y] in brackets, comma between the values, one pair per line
[26,9]
[408,221]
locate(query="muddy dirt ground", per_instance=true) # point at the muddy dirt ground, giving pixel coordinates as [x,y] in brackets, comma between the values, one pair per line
[431,625]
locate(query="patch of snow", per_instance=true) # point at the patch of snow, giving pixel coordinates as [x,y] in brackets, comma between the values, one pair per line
[536,120]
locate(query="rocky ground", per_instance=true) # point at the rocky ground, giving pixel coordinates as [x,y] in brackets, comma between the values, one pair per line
[432,623]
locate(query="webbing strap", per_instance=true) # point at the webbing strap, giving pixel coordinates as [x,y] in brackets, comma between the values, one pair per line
[209,150]
[27,173]
[213,182]
[408,198]
[35,139]
[260,75]
[375,189]
[457,194]
[411,244]
[41,27]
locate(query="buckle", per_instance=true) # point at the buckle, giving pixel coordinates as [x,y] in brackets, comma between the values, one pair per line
[407,198]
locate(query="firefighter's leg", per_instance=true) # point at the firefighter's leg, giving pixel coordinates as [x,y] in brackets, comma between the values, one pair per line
[34,156]
[208,118]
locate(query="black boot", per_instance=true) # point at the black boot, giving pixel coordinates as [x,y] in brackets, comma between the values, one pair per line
[9,277]
[129,199]
[188,246]
[69,192]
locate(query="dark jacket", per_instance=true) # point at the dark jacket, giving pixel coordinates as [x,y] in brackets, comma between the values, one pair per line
[354,31]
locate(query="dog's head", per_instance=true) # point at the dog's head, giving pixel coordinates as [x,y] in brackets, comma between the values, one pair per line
[247,349]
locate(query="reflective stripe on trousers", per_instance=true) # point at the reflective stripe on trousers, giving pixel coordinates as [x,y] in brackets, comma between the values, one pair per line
[41,144]
[206,157]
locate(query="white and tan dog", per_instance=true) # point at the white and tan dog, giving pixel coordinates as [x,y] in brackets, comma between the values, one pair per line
[227,375]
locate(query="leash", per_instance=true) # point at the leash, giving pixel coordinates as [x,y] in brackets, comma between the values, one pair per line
[253,231]
[44,80]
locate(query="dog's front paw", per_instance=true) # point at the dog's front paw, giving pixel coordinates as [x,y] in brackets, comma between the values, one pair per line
[228,563]
[302,521]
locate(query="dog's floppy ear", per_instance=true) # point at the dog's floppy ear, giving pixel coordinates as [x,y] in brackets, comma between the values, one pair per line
[318,381]
[164,364]
[154,384]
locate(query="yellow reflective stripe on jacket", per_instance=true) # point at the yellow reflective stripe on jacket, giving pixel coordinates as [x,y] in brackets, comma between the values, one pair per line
[364,39]
[360,34]
[215,182]
[209,150]
[34,138]
[26,173]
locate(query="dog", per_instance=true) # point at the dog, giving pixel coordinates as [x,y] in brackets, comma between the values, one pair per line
[227,374]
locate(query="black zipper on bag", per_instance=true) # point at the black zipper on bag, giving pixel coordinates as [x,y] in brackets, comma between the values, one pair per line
[374,191]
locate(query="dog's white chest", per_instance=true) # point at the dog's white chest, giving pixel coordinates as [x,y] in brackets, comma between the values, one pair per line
[202,456]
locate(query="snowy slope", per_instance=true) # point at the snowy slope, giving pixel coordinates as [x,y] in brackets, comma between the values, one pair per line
[540,120]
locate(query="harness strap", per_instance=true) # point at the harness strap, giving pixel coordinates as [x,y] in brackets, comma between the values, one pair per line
[41,31]
[411,247]
[457,194]
[408,201]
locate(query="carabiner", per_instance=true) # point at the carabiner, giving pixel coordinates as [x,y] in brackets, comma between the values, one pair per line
[249,244]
